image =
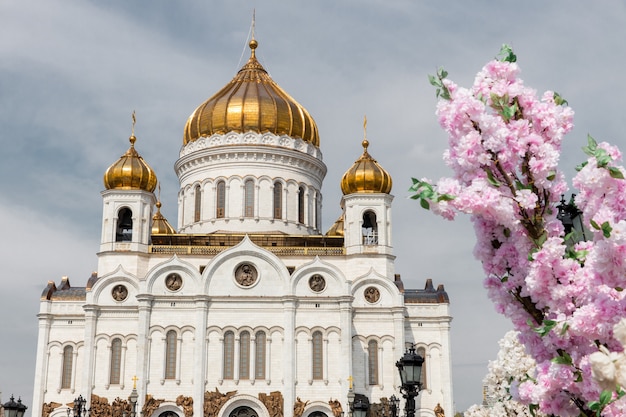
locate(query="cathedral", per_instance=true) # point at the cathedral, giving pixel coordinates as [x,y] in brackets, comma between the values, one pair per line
[246,308]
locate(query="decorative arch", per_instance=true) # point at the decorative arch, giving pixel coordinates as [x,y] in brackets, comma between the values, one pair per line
[243,400]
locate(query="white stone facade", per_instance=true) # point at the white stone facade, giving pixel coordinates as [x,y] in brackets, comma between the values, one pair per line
[252,303]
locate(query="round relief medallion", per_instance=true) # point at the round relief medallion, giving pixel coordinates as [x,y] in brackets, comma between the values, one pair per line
[119,292]
[372,294]
[246,275]
[173,281]
[317,283]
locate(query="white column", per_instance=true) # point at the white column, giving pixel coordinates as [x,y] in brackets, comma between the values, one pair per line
[268,361]
[325,359]
[91,318]
[345,308]
[289,354]
[236,354]
[223,360]
[252,356]
[381,369]
[200,354]
[123,366]
[143,347]
[179,351]
[41,364]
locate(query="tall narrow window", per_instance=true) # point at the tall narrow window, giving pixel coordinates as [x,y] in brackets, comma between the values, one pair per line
[369,228]
[422,352]
[124,225]
[278,200]
[244,355]
[301,205]
[372,361]
[229,354]
[259,356]
[315,219]
[198,204]
[116,361]
[221,200]
[68,357]
[318,356]
[170,355]
[249,198]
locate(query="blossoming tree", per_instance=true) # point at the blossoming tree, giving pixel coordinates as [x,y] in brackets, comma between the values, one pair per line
[504,147]
[511,366]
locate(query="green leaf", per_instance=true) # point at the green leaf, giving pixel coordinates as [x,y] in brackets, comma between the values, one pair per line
[605,397]
[606,229]
[558,100]
[563,359]
[434,81]
[506,54]
[492,180]
[591,147]
[445,197]
[616,173]
[564,329]
[533,409]
[551,176]
[507,232]
[594,224]
[425,204]
[581,166]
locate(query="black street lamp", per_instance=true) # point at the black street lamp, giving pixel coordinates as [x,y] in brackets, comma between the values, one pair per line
[14,409]
[410,368]
[78,410]
[394,402]
[360,406]
[572,219]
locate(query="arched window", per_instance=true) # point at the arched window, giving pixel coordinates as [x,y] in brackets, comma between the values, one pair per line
[170,355]
[249,198]
[278,200]
[259,356]
[68,357]
[198,204]
[301,205]
[318,356]
[372,361]
[244,355]
[315,213]
[369,228]
[221,200]
[124,225]
[116,361]
[422,352]
[229,354]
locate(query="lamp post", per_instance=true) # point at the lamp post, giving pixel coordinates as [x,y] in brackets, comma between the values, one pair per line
[79,409]
[14,409]
[572,219]
[394,402]
[410,369]
[360,406]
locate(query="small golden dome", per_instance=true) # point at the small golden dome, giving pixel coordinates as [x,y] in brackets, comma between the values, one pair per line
[337,228]
[252,101]
[160,225]
[130,172]
[366,176]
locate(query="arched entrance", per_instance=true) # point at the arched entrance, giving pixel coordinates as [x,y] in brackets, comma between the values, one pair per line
[168,414]
[318,414]
[243,411]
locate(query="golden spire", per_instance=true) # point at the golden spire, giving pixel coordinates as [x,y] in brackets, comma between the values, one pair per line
[130,172]
[160,225]
[366,175]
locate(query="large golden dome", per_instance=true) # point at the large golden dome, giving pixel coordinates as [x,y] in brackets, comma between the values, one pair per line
[366,176]
[130,172]
[252,101]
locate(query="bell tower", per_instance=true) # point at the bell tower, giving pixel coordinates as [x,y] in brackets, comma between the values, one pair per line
[367,205]
[128,199]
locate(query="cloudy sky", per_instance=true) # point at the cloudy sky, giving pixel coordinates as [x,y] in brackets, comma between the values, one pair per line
[72,72]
